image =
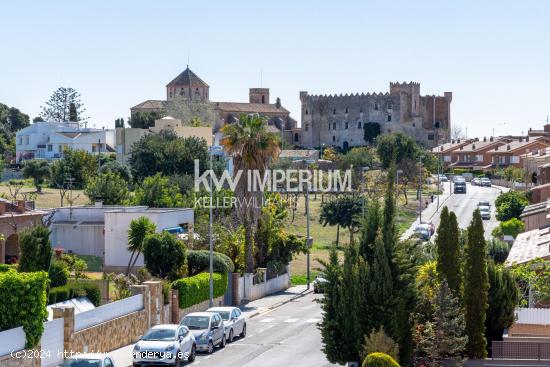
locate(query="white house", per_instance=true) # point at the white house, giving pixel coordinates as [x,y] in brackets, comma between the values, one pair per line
[102,230]
[47,140]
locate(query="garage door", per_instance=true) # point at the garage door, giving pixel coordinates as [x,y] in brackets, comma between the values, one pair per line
[52,343]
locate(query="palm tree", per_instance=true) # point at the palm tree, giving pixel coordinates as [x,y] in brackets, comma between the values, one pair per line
[252,147]
[138,230]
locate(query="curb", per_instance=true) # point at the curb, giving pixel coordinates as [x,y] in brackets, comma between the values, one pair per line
[280,303]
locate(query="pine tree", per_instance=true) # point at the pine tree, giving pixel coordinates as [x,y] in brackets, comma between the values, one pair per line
[443,337]
[503,298]
[381,285]
[73,115]
[448,252]
[476,286]
[331,331]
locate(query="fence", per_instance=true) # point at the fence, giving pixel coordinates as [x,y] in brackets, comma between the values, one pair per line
[537,316]
[520,350]
[108,312]
[12,340]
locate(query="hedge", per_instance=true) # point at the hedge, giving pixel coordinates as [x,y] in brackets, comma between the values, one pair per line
[196,289]
[199,261]
[58,273]
[379,360]
[74,290]
[6,267]
[23,303]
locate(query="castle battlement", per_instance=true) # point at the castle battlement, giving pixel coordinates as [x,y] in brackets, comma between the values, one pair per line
[398,84]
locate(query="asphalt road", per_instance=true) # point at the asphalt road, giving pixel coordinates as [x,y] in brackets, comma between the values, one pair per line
[286,336]
[463,205]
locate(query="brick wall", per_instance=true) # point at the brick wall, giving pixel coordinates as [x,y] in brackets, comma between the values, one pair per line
[23,361]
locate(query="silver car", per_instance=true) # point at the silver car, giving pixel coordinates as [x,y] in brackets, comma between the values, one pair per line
[233,321]
[166,345]
[89,360]
[485,213]
[207,327]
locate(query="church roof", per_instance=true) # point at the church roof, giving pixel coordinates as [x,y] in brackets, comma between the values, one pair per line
[249,107]
[152,104]
[187,78]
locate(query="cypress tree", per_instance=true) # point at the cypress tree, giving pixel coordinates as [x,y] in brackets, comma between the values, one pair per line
[73,115]
[476,286]
[448,252]
[349,305]
[388,223]
[369,231]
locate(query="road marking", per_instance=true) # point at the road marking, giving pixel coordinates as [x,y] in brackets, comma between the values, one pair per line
[268,319]
[313,321]
[291,320]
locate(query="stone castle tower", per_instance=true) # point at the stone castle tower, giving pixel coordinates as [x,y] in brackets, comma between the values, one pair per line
[338,120]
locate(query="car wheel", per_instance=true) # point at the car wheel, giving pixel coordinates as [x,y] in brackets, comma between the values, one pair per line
[193,353]
[178,363]
[210,347]
[222,343]
[243,333]
[230,339]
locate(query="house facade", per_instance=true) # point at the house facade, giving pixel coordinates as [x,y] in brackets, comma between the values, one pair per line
[475,155]
[514,153]
[48,140]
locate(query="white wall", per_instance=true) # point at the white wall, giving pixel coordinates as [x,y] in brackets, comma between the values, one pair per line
[116,230]
[12,340]
[82,239]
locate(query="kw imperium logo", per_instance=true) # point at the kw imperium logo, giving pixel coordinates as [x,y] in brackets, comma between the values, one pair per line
[278,180]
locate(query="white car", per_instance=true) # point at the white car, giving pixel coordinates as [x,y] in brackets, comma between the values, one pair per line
[233,320]
[166,345]
[89,360]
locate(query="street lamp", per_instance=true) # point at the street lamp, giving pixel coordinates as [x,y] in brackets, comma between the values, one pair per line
[309,240]
[210,235]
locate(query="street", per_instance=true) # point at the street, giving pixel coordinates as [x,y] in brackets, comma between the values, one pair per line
[463,205]
[285,336]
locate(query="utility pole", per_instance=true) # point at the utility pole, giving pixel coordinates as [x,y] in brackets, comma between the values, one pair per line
[98,156]
[211,248]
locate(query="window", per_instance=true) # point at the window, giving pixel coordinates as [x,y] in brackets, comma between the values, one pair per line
[358,124]
[479,157]
[334,111]
[107,362]
[238,312]
[170,94]
[182,92]
[307,112]
[376,107]
[389,118]
[415,105]
[263,99]
[50,147]
[333,138]
[414,124]
[389,131]
[446,158]
[181,332]
[329,125]
[361,110]
[431,136]
[346,125]
[514,159]
[390,106]
[501,159]
[296,137]
[334,126]
[347,110]
[60,148]
[20,140]
[307,127]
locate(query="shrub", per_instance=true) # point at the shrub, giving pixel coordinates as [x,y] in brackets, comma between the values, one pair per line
[166,286]
[199,261]
[74,290]
[196,289]
[379,360]
[379,342]
[510,205]
[164,255]
[498,250]
[36,250]
[23,303]
[6,267]
[58,273]
[512,227]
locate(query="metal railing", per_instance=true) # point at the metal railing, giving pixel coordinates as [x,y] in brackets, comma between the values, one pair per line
[521,350]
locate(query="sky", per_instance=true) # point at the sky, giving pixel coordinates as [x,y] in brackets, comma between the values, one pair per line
[493,55]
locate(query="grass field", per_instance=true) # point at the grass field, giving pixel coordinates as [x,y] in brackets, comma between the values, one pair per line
[324,237]
[49,198]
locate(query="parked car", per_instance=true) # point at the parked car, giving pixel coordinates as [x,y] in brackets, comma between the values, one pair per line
[319,283]
[443,178]
[485,182]
[168,345]
[476,181]
[459,179]
[89,360]
[423,231]
[485,212]
[430,225]
[459,187]
[233,321]
[483,203]
[207,327]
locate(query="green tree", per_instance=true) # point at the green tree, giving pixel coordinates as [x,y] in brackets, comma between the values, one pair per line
[38,170]
[510,205]
[157,192]
[17,120]
[139,229]
[503,298]
[73,114]
[76,164]
[59,105]
[119,123]
[111,188]
[344,211]
[442,339]
[511,227]
[144,120]
[253,147]
[396,146]
[449,265]
[371,131]
[476,286]
[379,360]
[379,342]
[117,168]
[36,249]
[168,154]
[498,250]
[164,255]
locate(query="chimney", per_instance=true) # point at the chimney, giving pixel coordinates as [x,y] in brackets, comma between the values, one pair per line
[484,138]
[491,138]
[520,139]
[452,141]
[496,148]
[458,141]
[473,146]
[527,138]
[508,147]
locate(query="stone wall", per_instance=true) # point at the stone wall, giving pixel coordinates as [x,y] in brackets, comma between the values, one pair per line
[22,361]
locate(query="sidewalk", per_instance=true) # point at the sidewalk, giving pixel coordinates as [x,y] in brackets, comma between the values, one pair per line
[123,356]
[429,211]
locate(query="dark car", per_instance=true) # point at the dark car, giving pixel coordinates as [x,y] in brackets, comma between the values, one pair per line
[460,187]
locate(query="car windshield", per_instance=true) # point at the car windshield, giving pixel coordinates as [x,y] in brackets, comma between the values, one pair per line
[86,362]
[224,315]
[160,334]
[196,322]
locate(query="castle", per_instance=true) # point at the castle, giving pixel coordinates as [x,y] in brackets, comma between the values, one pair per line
[338,120]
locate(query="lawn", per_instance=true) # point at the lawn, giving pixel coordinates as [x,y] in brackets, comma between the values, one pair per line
[49,198]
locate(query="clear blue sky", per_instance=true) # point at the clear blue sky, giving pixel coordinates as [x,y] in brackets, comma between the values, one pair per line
[493,55]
